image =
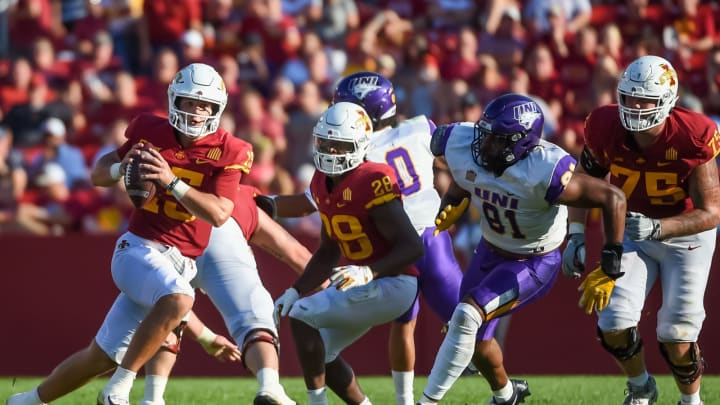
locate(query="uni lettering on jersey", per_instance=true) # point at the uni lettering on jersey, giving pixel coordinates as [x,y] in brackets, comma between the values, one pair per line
[497,199]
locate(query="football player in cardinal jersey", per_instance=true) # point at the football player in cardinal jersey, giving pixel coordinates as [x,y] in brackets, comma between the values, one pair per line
[406,148]
[198,165]
[365,228]
[228,274]
[521,185]
[662,157]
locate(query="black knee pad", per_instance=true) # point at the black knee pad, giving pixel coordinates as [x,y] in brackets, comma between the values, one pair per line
[259,335]
[686,374]
[633,347]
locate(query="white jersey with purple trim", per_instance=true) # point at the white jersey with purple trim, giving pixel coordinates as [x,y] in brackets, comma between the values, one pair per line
[518,208]
[406,148]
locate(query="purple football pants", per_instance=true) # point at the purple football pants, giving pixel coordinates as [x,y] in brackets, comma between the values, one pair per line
[440,277]
[502,285]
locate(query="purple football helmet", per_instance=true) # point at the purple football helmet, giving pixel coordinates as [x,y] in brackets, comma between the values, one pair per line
[370,90]
[510,127]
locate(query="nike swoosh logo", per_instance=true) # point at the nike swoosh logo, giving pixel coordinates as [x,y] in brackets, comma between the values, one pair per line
[340,205]
[201,161]
[663,164]
[693,247]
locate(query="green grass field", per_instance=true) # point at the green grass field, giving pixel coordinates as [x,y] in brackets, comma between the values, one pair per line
[556,390]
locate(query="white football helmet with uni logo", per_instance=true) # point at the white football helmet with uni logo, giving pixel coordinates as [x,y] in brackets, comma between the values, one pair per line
[649,77]
[196,81]
[341,138]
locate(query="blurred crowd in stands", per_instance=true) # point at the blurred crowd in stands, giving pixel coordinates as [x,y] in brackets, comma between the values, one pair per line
[73,73]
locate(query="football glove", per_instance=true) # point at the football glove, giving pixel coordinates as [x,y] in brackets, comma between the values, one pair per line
[596,290]
[346,277]
[639,227]
[284,304]
[573,257]
[267,204]
[449,215]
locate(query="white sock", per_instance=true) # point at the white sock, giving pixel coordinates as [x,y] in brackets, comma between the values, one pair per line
[154,390]
[267,378]
[26,398]
[317,397]
[639,380]
[120,383]
[403,381]
[504,393]
[366,401]
[688,399]
[455,352]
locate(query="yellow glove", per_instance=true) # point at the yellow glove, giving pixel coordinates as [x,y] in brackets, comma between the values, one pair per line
[596,290]
[449,215]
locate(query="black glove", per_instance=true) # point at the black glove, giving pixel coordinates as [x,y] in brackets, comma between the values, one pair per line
[267,204]
[610,260]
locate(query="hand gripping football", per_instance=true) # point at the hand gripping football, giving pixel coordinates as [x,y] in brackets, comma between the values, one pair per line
[139,190]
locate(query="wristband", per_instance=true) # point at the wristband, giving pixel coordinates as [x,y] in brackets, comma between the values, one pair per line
[576,227]
[206,337]
[115,171]
[178,188]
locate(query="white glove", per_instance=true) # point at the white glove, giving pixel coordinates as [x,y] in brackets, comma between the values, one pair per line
[284,304]
[573,257]
[639,227]
[346,277]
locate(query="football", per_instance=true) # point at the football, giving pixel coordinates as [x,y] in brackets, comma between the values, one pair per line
[140,191]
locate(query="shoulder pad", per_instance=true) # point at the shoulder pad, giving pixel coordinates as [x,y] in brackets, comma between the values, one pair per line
[439,139]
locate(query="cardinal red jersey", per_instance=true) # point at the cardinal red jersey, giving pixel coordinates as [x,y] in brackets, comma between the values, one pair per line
[245,212]
[345,211]
[213,164]
[655,180]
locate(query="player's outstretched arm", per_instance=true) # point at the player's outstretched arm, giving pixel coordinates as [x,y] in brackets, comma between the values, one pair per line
[274,239]
[293,205]
[215,345]
[584,191]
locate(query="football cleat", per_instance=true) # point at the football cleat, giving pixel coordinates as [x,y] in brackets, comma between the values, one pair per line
[105,399]
[520,391]
[645,395]
[700,403]
[273,397]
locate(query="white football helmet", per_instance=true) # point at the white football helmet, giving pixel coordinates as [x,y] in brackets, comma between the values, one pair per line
[341,136]
[650,77]
[200,82]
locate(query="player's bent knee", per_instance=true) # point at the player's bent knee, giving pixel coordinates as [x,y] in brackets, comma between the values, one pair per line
[685,373]
[632,344]
[259,335]
[465,316]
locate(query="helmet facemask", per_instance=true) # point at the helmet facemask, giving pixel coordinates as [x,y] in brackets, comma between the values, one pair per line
[182,121]
[510,128]
[495,152]
[649,78]
[341,138]
[199,82]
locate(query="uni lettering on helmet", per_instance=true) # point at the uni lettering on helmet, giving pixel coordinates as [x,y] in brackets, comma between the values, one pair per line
[526,114]
[361,86]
